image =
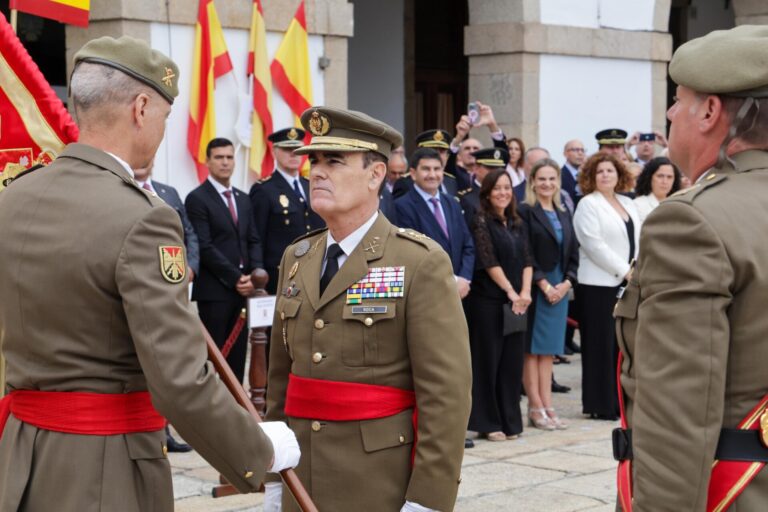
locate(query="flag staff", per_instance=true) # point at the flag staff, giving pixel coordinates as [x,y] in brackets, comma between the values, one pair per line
[14,18]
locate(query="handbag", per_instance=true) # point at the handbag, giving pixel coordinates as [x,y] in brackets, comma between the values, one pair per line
[512,321]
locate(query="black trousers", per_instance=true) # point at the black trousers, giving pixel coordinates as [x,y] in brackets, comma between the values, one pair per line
[219,318]
[599,350]
[497,369]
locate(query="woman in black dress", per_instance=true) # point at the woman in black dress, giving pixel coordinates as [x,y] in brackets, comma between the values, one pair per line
[502,276]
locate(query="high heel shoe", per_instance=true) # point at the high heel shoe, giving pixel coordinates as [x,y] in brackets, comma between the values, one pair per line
[555,419]
[542,422]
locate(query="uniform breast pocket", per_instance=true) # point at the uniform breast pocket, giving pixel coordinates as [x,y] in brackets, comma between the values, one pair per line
[368,328]
[286,311]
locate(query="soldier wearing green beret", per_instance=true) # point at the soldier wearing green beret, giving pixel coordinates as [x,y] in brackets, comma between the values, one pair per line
[100,342]
[370,354]
[691,323]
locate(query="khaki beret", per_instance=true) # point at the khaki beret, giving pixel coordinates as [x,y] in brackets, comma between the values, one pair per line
[730,62]
[338,130]
[135,58]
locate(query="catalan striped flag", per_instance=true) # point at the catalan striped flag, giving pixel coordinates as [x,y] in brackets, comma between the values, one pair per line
[34,125]
[260,161]
[73,12]
[210,61]
[290,68]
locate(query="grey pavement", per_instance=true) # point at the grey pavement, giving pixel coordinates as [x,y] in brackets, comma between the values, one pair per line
[561,471]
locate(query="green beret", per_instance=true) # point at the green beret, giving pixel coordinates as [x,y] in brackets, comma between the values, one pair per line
[135,58]
[338,130]
[730,62]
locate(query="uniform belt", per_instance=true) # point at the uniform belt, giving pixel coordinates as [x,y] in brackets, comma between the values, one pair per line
[96,414]
[734,444]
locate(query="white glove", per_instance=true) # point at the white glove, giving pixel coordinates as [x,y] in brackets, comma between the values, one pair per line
[273,496]
[284,443]
[414,507]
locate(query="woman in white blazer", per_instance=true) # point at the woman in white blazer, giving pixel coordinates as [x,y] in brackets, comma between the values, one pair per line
[608,229]
[659,179]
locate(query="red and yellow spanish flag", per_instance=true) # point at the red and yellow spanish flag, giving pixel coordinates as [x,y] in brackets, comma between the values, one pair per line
[260,161]
[73,12]
[290,69]
[34,125]
[210,61]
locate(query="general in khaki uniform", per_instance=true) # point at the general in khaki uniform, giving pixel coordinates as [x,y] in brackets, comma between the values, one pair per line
[387,337]
[692,323]
[94,314]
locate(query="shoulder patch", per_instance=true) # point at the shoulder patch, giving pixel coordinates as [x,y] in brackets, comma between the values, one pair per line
[690,193]
[173,267]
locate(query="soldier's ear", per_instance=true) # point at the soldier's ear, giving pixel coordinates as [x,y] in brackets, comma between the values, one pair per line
[140,108]
[378,172]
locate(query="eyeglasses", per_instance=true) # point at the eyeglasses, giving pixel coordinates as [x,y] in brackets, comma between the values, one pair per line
[577,150]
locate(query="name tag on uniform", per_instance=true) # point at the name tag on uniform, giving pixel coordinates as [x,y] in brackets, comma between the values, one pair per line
[379,283]
[368,310]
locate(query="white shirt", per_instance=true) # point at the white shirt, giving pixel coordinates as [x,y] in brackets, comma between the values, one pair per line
[645,205]
[121,162]
[221,189]
[428,198]
[291,179]
[349,243]
[516,175]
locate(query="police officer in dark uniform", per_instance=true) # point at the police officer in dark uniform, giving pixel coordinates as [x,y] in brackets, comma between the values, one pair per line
[438,140]
[281,203]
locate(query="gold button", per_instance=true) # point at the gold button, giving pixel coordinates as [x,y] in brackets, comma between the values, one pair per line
[317,357]
[401,230]
[319,323]
[316,426]
[401,438]
[248,474]
[287,222]
[165,450]
[282,315]
[368,321]
[711,177]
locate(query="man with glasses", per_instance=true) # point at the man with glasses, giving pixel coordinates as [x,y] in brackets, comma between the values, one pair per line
[574,156]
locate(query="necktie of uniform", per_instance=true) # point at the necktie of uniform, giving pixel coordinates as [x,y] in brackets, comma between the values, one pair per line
[231,204]
[439,215]
[331,265]
[297,189]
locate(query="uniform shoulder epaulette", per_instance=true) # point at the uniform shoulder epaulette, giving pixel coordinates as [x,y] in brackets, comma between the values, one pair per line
[310,234]
[690,193]
[463,192]
[414,236]
[10,180]
[449,175]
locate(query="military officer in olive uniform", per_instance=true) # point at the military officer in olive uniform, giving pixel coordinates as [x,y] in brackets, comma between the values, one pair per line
[691,323]
[97,332]
[367,314]
[281,205]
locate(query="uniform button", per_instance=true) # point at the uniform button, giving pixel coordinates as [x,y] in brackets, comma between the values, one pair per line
[248,474]
[401,230]
[316,426]
[285,212]
[308,227]
[317,357]
[306,214]
[711,177]
[319,323]
[401,439]
[368,321]
[287,222]
[282,315]
[165,450]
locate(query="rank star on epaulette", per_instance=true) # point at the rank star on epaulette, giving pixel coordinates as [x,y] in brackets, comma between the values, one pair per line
[172,264]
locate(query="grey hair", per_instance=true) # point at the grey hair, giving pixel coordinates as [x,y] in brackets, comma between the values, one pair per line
[95,85]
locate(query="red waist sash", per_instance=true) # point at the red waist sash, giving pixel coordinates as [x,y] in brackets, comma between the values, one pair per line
[95,414]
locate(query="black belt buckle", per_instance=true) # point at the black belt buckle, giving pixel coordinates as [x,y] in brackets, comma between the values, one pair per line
[622,444]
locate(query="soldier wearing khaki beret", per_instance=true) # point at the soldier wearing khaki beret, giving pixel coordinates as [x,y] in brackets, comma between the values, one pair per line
[100,343]
[370,354]
[691,323]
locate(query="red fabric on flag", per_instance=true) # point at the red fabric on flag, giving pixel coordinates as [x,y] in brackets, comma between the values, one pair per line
[55,10]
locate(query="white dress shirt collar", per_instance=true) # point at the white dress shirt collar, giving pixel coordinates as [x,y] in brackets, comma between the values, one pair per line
[218,186]
[121,162]
[351,241]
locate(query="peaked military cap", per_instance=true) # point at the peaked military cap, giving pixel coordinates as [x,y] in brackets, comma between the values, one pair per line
[611,136]
[438,139]
[135,58]
[730,62]
[492,157]
[339,130]
[287,138]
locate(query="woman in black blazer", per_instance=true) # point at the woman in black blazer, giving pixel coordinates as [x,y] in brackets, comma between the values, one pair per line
[555,255]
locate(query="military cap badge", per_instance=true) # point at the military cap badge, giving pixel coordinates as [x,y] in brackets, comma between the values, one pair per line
[292,134]
[172,264]
[438,136]
[168,78]
[319,123]
[496,154]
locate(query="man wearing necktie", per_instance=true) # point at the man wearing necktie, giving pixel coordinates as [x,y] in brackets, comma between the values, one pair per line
[370,352]
[281,206]
[230,250]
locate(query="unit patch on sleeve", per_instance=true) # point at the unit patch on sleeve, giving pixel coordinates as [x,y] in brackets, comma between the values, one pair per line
[172,264]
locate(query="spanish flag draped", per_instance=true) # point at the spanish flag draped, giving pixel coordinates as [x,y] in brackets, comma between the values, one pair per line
[73,12]
[34,125]
[260,160]
[210,61]
[290,69]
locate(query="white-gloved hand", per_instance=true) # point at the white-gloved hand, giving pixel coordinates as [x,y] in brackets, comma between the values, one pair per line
[273,496]
[284,443]
[415,507]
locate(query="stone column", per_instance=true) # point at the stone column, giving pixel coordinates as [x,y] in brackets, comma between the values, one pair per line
[751,12]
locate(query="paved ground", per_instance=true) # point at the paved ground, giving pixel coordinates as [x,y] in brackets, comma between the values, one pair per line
[561,471]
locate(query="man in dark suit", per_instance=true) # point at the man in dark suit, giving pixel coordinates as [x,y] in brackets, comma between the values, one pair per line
[229,250]
[569,174]
[281,208]
[437,215]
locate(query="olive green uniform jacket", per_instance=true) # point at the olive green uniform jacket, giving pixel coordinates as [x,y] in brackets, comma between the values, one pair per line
[420,342]
[85,307]
[693,328]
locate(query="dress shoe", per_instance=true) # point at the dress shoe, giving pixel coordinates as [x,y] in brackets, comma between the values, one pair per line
[561,360]
[468,443]
[175,446]
[559,388]
[568,351]
[573,347]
